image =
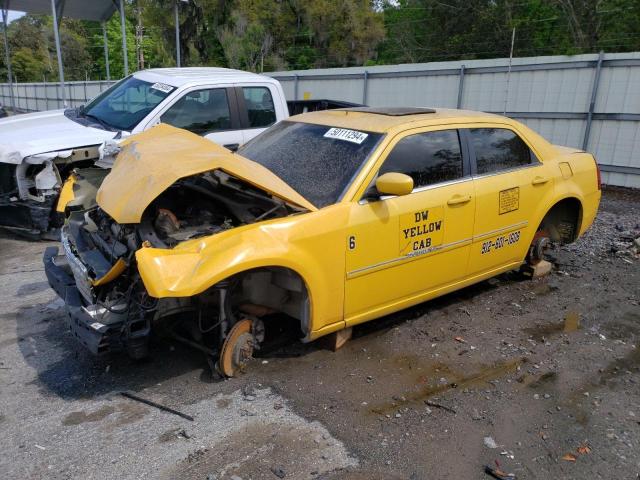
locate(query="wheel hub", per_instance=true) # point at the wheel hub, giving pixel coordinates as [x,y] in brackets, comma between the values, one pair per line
[237,349]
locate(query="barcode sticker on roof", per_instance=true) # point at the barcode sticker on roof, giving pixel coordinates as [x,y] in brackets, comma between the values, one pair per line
[352,136]
[163,87]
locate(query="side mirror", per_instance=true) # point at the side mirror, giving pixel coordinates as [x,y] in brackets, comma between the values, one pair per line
[394,184]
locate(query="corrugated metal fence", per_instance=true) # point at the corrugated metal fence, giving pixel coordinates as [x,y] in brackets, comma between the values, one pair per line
[34,97]
[585,101]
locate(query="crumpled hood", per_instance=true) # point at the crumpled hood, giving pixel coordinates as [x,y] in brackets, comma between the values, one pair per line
[152,161]
[33,133]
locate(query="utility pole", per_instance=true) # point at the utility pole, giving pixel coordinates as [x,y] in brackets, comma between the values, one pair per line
[506,91]
[139,36]
[123,27]
[177,27]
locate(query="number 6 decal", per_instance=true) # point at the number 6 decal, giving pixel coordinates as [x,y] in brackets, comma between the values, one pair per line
[352,242]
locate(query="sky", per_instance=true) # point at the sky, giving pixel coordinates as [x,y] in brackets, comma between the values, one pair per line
[13,15]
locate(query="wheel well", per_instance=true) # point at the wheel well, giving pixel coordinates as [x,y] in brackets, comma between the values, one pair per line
[278,289]
[562,221]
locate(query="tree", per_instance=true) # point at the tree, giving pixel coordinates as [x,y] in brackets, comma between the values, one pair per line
[114,42]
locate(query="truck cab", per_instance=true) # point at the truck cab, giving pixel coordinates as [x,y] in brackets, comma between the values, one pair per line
[38,151]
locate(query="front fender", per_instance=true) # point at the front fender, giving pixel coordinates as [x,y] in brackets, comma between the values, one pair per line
[311,244]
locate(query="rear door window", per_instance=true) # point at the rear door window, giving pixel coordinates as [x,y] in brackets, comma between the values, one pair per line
[260,107]
[428,158]
[201,112]
[498,149]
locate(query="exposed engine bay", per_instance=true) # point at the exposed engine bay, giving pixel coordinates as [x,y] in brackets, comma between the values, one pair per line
[204,205]
[29,188]
[108,304]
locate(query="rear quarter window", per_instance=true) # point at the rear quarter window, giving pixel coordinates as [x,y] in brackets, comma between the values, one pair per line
[498,149]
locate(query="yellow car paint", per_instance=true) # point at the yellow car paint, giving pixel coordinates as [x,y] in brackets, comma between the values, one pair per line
[111,275]
[358,258]
[152,161]
[394,184]
[66,193]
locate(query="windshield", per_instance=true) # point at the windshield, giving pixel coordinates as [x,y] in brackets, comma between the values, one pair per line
[126,103]
[317,161]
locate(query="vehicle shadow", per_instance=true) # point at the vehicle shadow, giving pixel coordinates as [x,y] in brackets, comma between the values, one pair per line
[65,369]
[382,325]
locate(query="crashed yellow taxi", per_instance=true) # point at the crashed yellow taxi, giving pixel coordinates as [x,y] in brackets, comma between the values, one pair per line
[328,219]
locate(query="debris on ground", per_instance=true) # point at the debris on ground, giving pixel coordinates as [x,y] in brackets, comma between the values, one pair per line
[437,405]
[156,405]
[569,457]
[499,474]
[278,472]
[584,449]
[489,442]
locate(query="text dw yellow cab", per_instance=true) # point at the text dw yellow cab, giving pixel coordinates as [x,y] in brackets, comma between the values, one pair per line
[329,219]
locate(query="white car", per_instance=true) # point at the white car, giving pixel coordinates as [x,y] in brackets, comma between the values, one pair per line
[39,150]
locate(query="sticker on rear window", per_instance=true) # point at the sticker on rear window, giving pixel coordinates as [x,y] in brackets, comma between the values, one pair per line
[352,136]
[163,87]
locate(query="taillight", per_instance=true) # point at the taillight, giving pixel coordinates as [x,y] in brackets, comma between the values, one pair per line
[598,175]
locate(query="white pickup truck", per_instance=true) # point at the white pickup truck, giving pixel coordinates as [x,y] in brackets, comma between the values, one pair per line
[39,150]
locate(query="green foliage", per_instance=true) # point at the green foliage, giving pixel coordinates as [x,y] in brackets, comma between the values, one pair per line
[270,35]
[114,43]
[431,30]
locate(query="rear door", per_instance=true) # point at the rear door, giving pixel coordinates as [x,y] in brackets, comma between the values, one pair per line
[508,179]
[258,109]
[209,112]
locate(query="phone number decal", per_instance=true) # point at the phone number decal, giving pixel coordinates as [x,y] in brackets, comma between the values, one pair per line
[499,242]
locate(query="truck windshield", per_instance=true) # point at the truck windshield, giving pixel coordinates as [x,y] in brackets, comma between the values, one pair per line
[126,103]
[317,161]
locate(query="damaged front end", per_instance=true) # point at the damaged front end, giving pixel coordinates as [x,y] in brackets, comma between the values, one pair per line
[29,189]
[96,273]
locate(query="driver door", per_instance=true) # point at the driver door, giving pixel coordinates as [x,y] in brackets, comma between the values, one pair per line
[401,248]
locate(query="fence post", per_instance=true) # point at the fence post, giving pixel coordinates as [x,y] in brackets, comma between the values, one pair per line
[46,93]
[7,53]
[123,29]
[592,104]
[460,86]
[364,87]
[106,49]
[295,88]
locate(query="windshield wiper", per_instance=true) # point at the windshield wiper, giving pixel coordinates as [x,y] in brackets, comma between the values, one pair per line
[104,124]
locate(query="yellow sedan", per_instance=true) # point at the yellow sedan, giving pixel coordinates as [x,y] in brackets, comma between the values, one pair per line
[328,219]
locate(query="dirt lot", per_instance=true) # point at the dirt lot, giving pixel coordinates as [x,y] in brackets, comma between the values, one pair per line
[536,369]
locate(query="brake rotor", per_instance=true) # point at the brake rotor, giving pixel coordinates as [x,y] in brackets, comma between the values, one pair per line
[537,248]
[237,348]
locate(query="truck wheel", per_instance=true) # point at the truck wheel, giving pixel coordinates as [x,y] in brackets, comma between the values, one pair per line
[237,349]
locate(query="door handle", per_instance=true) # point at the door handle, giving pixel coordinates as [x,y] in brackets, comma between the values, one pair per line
[232,146]
[539,180]
[459,199]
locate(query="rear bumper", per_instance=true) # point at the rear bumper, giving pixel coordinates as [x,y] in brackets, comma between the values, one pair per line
[101,331]
[590,207]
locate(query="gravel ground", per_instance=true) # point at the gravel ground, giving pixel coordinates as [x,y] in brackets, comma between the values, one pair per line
[539,377]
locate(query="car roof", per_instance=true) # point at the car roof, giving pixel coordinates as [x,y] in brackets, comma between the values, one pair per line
[178,77]
[383,119]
